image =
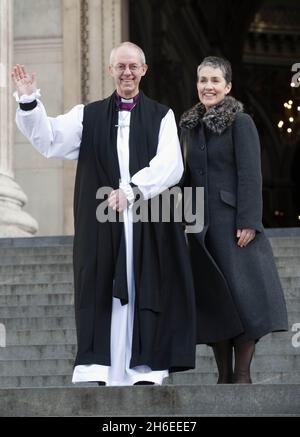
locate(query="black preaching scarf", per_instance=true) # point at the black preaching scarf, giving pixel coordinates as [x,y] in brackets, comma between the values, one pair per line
[97,167]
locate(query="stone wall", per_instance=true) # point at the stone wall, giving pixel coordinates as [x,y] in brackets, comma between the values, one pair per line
[67,43]
[39,45]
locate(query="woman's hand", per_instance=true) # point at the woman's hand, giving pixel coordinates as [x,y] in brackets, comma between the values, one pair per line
[24,82]
[245,236]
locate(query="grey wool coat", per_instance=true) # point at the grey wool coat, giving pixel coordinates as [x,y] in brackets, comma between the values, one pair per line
[238,291]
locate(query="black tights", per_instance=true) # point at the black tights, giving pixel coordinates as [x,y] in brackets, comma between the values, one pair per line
[223,356]
[243,354]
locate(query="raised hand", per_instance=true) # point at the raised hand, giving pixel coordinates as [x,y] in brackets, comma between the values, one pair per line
[24,82]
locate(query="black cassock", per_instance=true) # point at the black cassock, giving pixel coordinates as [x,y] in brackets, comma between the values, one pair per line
[164,319]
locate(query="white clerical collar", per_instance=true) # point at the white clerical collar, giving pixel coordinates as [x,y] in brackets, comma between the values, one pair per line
[126,100]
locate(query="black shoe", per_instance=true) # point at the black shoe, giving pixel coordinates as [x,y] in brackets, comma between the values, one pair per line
[144,383]
[101,383]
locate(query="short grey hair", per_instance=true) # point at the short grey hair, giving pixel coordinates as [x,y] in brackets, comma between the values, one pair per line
[217,62]
[127,44]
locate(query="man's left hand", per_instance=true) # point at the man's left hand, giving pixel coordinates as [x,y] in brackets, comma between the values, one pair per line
[117,200]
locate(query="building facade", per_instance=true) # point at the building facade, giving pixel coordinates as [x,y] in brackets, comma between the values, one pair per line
[68,42]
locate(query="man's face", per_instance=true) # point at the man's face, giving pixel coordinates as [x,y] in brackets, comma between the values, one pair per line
[127,70]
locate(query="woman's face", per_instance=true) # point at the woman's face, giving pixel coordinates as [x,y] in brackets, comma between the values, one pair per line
[212,86]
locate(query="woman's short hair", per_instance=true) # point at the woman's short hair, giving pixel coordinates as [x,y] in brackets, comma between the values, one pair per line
[217,62]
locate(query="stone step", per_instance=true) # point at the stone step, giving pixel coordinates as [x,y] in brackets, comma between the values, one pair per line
[57,273]
[37,323]
[261,363]
[180,378]
[40,309]
[43,322]
[36,251]
[293,311]
[30,263]
[290,283]
[267,365]
[55,240]
[183,378]
[292,292]
[53,258]
[285,241]
[291,287]
[293,303]
[292,262]
[38,278]
[286,251]
[66,321]
[145,401]
[289,271]
[36,367]
[41,337]
[62,294]
[17,260]
[187,378]
[274,349]
[33,269]
[56,351]
[36,381]
[48,245]
[57,298]
[36,307]
[51,336]
[271,351]
[283,261]
[36,311]
[34,259]
[35,352]
[67,241]
[38,288]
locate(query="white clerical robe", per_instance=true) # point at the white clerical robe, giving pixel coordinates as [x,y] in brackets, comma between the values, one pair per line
[60,137]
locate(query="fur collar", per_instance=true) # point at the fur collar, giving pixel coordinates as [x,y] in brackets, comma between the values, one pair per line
[217,119]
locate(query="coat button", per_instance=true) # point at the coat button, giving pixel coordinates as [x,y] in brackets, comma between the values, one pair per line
[201,172]
[202,147]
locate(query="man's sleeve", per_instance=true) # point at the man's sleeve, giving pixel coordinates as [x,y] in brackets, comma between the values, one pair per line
[58,137]
[166,168]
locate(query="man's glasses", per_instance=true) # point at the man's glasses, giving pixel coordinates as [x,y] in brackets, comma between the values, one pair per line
[120,68]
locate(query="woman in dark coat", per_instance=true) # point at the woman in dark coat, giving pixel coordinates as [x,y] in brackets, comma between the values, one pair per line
[238,292]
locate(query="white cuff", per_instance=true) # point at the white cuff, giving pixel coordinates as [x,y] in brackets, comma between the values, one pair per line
[128,191]
[25,98]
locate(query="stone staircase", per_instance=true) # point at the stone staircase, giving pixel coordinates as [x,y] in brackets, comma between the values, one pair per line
[37,315]
[36,308]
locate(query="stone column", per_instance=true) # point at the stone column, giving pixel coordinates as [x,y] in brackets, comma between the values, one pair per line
[72,94]
[104,25]
[91,29]
[13,221]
